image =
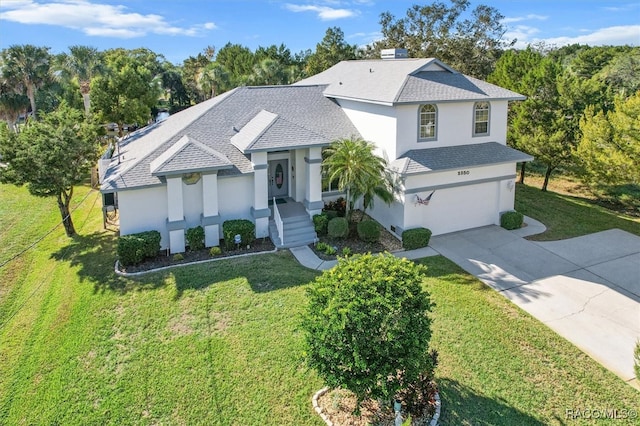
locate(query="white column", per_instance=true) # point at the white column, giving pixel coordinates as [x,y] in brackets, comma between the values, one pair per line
[313,190]
[260,210]
[210,215]
[175,221]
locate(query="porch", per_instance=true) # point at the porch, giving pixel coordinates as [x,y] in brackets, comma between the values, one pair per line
[290,224]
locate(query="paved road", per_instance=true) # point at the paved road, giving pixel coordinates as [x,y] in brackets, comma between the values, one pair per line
[587,288]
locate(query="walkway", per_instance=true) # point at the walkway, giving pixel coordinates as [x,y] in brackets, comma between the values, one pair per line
[587,289]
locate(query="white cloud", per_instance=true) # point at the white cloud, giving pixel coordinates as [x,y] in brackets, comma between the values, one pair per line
[324,13]
[521,33]
[529,17]
[616,36]
[95,19]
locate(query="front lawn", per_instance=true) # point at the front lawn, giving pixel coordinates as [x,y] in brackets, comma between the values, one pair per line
[218,343]
[569,216]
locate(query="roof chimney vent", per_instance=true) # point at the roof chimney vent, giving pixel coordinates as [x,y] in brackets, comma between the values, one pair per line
[393,54]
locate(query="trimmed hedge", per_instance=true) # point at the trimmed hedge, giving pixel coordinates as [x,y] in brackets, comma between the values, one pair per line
[338,227]
[369,231]
[195,238]
[511,220]
[231,228]
[415,238]
[134,248]
[320,223]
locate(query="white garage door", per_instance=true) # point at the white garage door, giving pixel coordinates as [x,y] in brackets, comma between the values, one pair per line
[459,208]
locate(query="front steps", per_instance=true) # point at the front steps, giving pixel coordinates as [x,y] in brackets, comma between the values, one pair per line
[297,230]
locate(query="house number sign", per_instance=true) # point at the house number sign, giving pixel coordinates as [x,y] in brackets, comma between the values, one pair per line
[463,172]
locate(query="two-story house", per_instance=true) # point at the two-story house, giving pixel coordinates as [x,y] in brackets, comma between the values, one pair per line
[256,153]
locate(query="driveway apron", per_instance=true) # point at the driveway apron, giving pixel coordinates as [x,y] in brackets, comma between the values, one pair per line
[587,289]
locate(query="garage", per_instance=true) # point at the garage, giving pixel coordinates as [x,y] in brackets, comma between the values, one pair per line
[457,208]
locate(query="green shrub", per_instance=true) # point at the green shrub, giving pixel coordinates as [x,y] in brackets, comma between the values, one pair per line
[330,250]
[130,250]
[178,257]
[195,238]
[367,292]
[321,246]
[346,251]
[338,227]
[151,245]
[331,214]
[215,251]
[231,228]
[134,248]
[320,222]
[369,231]
[511,220]
[415,238]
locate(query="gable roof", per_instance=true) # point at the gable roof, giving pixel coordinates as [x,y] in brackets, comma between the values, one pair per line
[456,157]
[188,155]
[405,81]
[305,117]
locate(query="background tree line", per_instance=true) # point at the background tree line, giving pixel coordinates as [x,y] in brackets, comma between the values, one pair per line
[581,115]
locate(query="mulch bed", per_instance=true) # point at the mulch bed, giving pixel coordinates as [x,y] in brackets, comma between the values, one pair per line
[163,260]
[387,242]
[338,405]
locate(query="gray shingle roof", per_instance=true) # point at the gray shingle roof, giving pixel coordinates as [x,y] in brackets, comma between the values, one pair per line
[457,157]
[404,81]
[443,86]
[188,155]
[303,113]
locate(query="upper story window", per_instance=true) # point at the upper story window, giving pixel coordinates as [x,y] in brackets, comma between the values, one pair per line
[428,122]
[481,119]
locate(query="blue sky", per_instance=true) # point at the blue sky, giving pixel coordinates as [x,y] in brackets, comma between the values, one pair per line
[180,28]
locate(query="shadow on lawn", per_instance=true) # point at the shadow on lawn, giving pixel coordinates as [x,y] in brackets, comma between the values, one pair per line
[94,255]
[444,269]
[264,273]
[462,405]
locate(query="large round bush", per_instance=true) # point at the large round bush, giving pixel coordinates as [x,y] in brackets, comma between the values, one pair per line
[367,327]
[338,227]
[369,231]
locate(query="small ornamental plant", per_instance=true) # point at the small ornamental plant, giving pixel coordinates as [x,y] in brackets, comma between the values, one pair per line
[367,326]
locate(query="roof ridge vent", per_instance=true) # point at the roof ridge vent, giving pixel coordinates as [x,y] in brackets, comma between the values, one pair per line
[394,53]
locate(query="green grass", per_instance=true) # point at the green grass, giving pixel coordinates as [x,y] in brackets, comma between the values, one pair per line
[567,216]
[218,343]
[500,366]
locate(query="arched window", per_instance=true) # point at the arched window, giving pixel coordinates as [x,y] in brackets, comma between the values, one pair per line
[428,122]
[481,119]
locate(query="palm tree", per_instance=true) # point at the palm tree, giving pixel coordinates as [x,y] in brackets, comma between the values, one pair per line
[269,72]
[12,104]
[28,66]
[83,63]
[213,79]
[359,172]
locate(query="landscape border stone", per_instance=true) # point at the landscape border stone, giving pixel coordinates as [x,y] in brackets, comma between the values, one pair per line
[164,268]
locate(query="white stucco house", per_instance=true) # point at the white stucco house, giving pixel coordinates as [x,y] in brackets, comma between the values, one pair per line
[256,152]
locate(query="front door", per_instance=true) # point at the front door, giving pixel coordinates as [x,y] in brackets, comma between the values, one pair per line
[278,182]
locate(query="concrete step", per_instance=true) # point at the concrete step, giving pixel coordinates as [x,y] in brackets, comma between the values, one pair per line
[296,234]
[296,219]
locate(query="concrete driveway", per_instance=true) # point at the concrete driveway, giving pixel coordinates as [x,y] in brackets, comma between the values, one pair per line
[587,289]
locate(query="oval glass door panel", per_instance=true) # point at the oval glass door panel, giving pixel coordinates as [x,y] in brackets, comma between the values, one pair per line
[279,175]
